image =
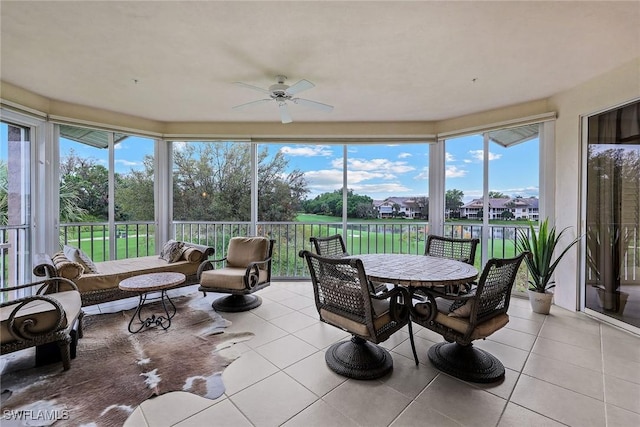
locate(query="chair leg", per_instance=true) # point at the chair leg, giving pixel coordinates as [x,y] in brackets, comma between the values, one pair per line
[80,330]
[65,352]
[413,344]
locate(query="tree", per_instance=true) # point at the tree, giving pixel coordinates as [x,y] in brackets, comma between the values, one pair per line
[421,206]
[507,215]
[85,184]
[497,195]
[212,182]
[134,192]
[395,210]
[358,206]
[453,202]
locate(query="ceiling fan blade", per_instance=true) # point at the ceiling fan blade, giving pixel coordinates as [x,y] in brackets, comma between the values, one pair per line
[259,89]
[313,104]
[299,87]
[285,117]
[252,103]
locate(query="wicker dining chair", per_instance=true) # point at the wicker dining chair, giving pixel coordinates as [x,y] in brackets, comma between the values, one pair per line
[346,299]
[331,246]
[458,249]
[447,247]
[465,318]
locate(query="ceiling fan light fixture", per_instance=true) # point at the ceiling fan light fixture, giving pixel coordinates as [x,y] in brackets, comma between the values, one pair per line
[281,93]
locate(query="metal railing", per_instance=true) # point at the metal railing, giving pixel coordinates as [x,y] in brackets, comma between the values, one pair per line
[14,258]
[135,239]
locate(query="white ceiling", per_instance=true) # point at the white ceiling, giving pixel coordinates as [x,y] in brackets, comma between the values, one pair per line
[374,61]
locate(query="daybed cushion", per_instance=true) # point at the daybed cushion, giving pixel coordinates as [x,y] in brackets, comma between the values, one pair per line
[111,273]
[43,313]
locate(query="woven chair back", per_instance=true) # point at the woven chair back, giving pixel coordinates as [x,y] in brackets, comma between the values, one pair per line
[494,287]
[331,246]
[446,247]
[340,286]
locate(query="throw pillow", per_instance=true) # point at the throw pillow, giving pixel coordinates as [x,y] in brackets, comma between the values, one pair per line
[192,255]
[461,308]
[66,268]
[78,256]
[172,251]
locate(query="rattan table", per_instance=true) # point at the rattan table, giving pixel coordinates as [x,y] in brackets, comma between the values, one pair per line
[145,284]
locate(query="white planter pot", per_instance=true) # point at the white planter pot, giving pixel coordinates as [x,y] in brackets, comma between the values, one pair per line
[540,302]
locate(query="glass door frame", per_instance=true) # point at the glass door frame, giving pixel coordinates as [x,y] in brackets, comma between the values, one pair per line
[584,127]
[39,158]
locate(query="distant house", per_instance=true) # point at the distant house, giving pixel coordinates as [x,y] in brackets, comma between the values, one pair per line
[400,207]
[519,208]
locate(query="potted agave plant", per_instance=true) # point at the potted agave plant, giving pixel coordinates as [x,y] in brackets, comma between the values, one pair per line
[541,263]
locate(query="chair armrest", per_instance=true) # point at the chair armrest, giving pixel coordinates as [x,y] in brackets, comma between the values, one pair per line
[43,266]
[252,273]
[208,265]
[23,330]
[399,302]
[426,311]
[48,286]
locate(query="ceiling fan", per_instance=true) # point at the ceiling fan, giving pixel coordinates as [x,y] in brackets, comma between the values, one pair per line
[282,93]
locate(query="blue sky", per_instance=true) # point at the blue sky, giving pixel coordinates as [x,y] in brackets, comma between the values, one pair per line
[379,171]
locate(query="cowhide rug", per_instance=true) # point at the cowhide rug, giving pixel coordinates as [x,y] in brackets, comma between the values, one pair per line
[114,371]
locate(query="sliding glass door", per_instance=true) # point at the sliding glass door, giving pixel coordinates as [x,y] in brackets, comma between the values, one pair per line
[612,267]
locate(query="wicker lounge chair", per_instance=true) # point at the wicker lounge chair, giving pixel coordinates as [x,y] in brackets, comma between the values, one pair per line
[245,270]
[345,299]
[46,317]
[472,316]
[331,246]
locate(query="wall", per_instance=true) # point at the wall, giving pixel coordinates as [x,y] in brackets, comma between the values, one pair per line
[606,91]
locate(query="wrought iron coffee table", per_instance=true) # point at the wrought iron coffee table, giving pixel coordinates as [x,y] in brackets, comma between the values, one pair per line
[145,284]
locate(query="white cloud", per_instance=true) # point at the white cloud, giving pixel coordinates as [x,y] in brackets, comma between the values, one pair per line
[423,175]
[404,155]
[128,162]
[448,157]
[324,177]
[379,190]
[307,150]
[455,172]
[479,155]
[378,165]
[179,145]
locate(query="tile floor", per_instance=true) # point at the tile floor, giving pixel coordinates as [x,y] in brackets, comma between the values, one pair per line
[562,369]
